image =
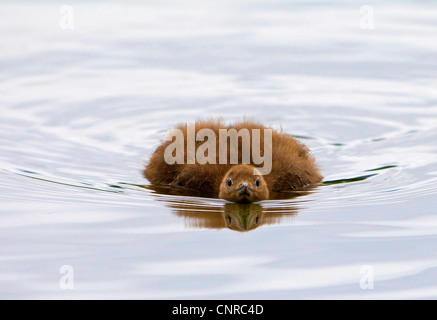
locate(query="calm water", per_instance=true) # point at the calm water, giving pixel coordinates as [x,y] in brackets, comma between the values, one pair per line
[83,109]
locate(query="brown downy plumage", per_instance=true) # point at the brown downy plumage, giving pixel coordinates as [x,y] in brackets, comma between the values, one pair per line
[293,168]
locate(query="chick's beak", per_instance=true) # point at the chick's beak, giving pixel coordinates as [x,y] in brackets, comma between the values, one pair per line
[244,189]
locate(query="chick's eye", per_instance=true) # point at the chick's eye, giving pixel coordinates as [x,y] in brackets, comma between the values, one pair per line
[229,182]
[258,182]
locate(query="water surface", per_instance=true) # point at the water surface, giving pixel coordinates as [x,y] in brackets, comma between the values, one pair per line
[83,109]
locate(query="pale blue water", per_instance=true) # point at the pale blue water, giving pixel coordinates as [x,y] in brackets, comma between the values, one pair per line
[83,109]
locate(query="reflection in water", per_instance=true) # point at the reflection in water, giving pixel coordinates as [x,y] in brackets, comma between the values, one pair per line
[234,216]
